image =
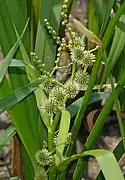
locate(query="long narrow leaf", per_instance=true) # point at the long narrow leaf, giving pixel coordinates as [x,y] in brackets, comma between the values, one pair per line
[7,136]
[45,48]
[8,58]
[15,97]
[106,160]
[106,17]
[116,49]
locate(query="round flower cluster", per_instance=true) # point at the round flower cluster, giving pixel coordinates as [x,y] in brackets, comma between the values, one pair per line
[71,89]
[41,174]
[48,84]
[49,106]
[58,95]
[82,78]
[81,56]
[44,158]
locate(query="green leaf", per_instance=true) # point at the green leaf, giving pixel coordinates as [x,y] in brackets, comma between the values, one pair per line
[118,152]
[100,9]
[45,48]
[115,51]
[97,96]
[63,132]
[89,34]
[105,159]
[93,21]
[8,58]
[15,97]
[106,16]
[16,63]
[25,114]
[6,137]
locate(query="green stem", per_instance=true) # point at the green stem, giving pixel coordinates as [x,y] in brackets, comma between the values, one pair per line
[58,83]
[50,140]
[55,122]
[54,69]
[118,112]
[116,102]
[92,50]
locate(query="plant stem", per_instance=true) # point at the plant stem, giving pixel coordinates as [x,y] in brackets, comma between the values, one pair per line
[55,121]
[117,105]
[50,140]
[118,112]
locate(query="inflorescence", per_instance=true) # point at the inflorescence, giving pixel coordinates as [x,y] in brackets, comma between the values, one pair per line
[58,93]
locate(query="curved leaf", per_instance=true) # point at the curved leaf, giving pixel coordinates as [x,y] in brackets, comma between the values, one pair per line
[15,97]
[8,58]
[7,136]
[106,160]
[97,96]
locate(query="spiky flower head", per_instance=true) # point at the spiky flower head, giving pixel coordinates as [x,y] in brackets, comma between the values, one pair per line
[71,89]
[77,42]
[87,59]
[77,54]
[44,158]
[41,174]
[49,106]
[82,56]
[82,78]
[58,95]
[48,84]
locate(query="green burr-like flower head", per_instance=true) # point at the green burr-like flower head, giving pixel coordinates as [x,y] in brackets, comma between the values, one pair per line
[41,174]
[44,158]
[49,106]
[82,78]
[71,89]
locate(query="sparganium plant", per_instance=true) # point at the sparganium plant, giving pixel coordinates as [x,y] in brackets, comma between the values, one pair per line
[58,93]
[58,69]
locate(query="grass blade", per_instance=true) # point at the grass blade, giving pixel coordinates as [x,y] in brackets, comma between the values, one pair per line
[45,48]
[7,136]
[116,49]
[109,6]
[8,58]
[15,97]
